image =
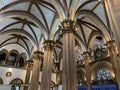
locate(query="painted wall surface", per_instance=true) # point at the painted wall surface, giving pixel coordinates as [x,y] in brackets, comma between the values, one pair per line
[16,73]
[5,87]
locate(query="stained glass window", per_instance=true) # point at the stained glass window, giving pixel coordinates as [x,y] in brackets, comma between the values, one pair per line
[103,74]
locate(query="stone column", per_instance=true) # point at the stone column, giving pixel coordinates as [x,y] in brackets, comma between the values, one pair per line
[47,66]
[29,65]
[38,56]
[112,50]
[113,12]
[69,77]
[86,56]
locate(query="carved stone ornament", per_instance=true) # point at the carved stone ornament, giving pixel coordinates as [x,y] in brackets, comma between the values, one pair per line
[8,74]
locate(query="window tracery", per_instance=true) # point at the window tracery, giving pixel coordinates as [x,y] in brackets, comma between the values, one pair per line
[103,74]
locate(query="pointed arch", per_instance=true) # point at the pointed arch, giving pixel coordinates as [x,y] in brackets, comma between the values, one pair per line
[24,15]
[96,66]
[10,31]
[16,81]
[59,10]
[97,20]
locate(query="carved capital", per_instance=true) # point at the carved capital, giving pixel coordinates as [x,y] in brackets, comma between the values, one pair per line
[86,54]
[49,44]
[38,52]
[67,26]
[29,63]
[38,55]
[111,46]
[56,68]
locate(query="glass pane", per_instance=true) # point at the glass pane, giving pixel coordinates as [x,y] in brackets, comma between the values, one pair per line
[103,74]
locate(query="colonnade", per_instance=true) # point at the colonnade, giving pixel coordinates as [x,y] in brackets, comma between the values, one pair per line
[69,77]
[69,70]
[69,80]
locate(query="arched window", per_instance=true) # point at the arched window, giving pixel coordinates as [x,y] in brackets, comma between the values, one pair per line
[12,58]
[80,78]
[16,84]
[22,59]
[98,43]
[21,62]
[16,81]
[2,57]
[103,74]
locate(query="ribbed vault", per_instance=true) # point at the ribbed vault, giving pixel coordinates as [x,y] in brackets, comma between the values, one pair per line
[29,23]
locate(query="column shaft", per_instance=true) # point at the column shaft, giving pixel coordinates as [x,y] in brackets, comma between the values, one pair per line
[36,71]
[87,68]
[69,76]
[113,12]
[113,55]
[47,67]
[28,73]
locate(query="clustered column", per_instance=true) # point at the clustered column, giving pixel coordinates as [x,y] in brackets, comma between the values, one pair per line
[38,56]
[86,56]
[47,66]
[28,72]
[69,68]
[113,12]
[113,54]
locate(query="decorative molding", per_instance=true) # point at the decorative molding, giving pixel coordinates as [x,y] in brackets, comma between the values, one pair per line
[111,45]
[8,74]
[98,53]
[38,52]
[49,44]
[67,26]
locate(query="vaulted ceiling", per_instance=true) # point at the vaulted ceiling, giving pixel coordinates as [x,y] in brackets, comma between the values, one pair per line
[26,24]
